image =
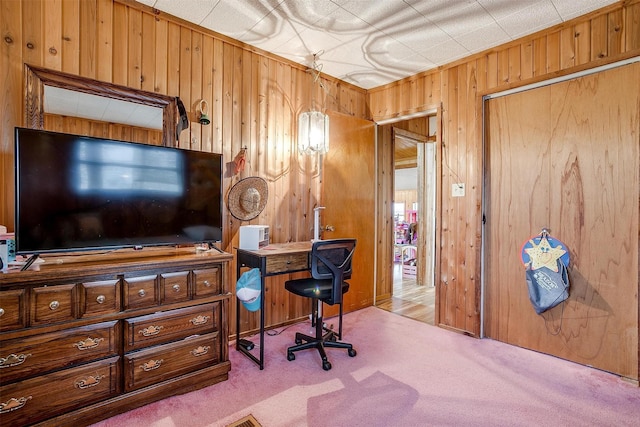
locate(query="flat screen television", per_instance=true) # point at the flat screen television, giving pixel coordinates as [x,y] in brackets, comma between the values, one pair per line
[78,193]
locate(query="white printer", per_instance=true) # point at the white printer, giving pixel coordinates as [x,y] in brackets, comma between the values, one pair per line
[253,237]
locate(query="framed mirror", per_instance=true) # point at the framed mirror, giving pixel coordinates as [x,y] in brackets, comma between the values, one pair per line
[97,99]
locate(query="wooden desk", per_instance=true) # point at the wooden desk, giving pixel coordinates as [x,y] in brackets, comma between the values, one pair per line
[277,258]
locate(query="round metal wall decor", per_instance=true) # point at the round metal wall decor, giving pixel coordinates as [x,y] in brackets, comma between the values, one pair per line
[247,198]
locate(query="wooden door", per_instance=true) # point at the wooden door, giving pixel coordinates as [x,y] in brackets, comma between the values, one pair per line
[348,195]
[566,157]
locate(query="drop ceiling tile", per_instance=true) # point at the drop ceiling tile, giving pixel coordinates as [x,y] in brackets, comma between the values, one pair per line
[500,9]
[444,53]
[464,20]
[484,38]
[529,20]
[235,18]
[189,10]
[571,9]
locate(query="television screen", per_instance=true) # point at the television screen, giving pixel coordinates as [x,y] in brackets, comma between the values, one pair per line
[82,193]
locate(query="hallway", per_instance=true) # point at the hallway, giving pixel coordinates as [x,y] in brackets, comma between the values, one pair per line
[409,299]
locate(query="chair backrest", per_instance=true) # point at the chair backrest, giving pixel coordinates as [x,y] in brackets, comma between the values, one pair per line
[331,259]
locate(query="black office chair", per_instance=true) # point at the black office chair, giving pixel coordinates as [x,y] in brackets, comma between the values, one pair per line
[330,267]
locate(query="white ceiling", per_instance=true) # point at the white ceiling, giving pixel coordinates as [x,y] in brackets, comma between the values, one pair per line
[373,42]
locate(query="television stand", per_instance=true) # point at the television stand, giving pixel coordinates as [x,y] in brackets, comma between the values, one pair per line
[87,339]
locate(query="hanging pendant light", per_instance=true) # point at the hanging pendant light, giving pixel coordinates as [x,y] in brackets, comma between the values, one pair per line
[313,132]
[313,125]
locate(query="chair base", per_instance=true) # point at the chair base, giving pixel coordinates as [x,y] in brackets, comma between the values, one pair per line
[320,341]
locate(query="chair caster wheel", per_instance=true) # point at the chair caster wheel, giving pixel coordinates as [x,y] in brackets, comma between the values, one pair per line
[326,365]
[291,356]
[352,352]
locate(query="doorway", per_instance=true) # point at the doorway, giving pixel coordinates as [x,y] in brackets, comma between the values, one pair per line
[413,219]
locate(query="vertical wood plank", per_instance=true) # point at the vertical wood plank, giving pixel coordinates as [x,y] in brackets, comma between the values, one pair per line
[120,66]
[582,42]
[599,37]
[615,33]
[207,91]
[33,50]
[134,50]
[53,34]
[70,36]
[196,129]
[148,61]
[88,38]
[539,56]
[567,48]
[632,27]
[104,49]
[161,55]
[184,84]
[553,52]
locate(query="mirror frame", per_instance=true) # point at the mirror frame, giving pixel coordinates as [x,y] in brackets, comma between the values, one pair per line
[36,78]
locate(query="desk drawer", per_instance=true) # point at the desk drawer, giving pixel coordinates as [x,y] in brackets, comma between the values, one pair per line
[287,262]
[160,328]
[147,367]
[37,399]
[29,356]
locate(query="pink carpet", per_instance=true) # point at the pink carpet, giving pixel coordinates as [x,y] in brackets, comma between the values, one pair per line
[406,373]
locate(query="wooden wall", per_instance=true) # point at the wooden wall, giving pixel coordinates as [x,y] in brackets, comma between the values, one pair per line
[253,97]
[607,35]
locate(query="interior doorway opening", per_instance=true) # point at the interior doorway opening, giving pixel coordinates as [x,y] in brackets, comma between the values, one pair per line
[414,205]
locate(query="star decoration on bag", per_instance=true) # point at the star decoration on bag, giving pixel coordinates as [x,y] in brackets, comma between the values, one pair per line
[544,255]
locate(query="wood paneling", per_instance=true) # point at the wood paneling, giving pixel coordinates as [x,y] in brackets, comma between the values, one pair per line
[254,97]
[603,36]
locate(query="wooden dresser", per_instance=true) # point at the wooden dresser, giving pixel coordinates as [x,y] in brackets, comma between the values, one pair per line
[91,336]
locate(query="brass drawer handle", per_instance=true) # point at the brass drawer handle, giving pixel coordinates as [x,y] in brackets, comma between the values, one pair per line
[199,320]
[89,382]
[142,293]
[88,344]
[1,311]
[54,305]
[151,365]
[200,351]
[13,360]
[176,288]
[207,283]
[101,299]
[151,330]
[13,404]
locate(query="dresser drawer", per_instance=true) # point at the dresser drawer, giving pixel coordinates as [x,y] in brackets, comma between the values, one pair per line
[175,287]
[13,310]
[287,262]
[147,367]
[43,397]
[160,328]
[98,298]
[207,282]
[51,304]
[140,292]
[23,357]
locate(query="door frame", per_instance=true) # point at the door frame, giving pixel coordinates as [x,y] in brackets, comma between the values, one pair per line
[384,251]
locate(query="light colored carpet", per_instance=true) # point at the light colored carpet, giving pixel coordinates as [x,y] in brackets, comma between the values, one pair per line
[406,373]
